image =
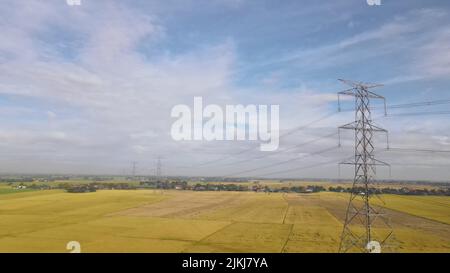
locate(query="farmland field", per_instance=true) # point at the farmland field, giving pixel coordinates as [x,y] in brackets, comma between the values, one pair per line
[189,221]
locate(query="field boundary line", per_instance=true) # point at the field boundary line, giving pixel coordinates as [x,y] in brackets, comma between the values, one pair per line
[287,209]
[284,223]
[412,214]
[434,202]
[160,239]
[209,235]
[418,216]
[288,238]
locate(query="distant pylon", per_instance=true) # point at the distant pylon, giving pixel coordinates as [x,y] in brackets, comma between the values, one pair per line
[133,171]
[361,233]
[158,167]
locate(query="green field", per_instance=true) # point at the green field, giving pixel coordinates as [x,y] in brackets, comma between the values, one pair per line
[188,221]
[9,190]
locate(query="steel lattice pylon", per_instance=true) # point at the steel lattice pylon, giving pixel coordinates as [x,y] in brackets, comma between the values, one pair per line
[158,168]
[133,169]
[359,233]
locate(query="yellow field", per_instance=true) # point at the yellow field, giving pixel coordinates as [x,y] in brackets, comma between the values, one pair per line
[432,207]
[186,221]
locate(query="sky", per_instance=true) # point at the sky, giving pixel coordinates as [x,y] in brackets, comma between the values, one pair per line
[89,89]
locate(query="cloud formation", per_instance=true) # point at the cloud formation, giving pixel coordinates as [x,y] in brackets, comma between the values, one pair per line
[89,89]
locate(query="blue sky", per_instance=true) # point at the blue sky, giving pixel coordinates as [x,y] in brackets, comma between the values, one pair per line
[89,88]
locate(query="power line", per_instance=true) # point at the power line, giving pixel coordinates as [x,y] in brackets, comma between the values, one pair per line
[299,168]
[421,113]
[409,105]
[302,127]
[419,104]
[395,149]
[308,124]
[290,132]
[284,162]
[281,151]
[420,165]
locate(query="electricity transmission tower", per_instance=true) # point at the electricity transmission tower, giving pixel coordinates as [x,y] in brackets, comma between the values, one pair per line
[133,173]
[362,233]
[158,168]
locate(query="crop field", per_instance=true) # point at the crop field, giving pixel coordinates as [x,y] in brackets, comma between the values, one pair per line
[8,190]
[189,221]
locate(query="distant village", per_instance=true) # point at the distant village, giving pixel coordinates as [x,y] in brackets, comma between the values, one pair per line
[73,187]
